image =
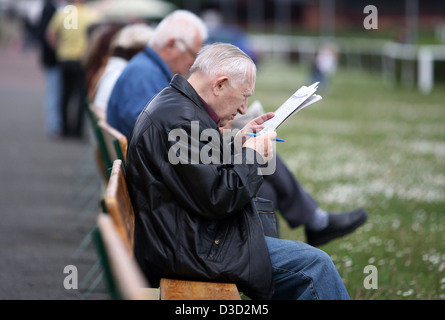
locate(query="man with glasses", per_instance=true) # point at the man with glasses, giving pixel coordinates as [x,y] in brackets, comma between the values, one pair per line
[171,50]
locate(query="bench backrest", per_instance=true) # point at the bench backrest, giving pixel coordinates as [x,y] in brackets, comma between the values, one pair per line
[124,277]
[118,204]
[101,154]
[115,142]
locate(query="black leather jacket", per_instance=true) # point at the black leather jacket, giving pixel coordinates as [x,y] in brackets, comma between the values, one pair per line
[194,221]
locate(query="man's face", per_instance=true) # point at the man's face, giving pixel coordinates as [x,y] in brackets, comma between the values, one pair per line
[183,60]
[232,100]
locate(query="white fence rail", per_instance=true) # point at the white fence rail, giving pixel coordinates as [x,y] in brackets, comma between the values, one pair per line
[354,49]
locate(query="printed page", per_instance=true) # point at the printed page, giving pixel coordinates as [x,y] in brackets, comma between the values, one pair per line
[302,98]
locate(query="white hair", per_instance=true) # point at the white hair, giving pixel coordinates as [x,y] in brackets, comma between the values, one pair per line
[134,35]
[182,25]
[225,59]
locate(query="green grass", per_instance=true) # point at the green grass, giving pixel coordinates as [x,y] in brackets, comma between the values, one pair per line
[377,147]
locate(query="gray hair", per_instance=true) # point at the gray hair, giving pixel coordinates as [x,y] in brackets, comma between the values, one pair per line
[225,59]
[134,35]
[180,24]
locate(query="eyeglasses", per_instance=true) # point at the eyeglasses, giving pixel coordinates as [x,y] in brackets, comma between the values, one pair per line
[187,48]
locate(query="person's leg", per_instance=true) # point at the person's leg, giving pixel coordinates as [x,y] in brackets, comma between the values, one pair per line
[80,94]
[52,101]
[65,98]
[303,272]
[290,198]
[298,208]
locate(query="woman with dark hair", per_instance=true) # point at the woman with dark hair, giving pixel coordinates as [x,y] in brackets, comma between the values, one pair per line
[128,42]
[97,54]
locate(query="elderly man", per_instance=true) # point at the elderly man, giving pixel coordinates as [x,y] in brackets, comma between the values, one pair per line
[197,219]
[172,49]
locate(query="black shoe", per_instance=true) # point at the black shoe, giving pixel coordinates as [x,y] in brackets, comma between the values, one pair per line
[339,225]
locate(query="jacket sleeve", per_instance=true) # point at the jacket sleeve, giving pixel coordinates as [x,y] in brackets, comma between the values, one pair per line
[204,176]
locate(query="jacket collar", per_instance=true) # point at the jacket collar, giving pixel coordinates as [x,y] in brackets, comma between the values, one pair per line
[181,84]
[158,61]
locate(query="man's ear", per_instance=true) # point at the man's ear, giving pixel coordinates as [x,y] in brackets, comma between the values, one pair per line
[219,84]
[169,46]
[170,43]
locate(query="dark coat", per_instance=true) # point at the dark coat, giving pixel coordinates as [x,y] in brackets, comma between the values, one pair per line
[194,221]
[48,54]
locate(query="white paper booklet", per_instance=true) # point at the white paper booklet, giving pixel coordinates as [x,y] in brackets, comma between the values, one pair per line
[302,98]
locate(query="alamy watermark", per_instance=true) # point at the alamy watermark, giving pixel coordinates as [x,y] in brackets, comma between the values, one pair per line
[207,147]
[71,280]
[371,20]
[372,279]
[71,20]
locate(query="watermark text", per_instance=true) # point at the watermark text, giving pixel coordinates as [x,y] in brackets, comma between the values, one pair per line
[371,20]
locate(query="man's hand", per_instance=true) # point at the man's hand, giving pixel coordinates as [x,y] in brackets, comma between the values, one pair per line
[253,126]
[256,124]
[263,144]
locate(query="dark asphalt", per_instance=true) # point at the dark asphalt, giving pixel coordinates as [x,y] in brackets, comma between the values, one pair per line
[49,192]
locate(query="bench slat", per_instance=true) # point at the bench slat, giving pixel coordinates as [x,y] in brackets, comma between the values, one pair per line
[172,289]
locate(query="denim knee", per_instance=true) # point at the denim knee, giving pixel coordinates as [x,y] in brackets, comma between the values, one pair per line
[303,272]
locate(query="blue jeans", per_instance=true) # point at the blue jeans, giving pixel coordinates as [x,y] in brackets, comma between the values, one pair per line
[303,272]
[53,100]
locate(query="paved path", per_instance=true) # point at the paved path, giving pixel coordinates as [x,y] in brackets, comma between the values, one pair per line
[49,191]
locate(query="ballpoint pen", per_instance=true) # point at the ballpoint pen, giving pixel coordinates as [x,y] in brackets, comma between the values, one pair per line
[256,135]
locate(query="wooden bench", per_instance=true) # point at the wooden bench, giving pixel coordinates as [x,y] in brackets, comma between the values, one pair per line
[115,142]
[111,144]
[124,278]
[103,160]
[171,289]
[118,205]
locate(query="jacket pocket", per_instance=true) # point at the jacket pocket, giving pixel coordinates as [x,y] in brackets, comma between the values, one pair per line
[219,244]
[266,212]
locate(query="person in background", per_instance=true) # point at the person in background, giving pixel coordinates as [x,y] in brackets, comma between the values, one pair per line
[324,65]
[49,63]
[295,204]
[96,55]
[130,40]
[67,34]
[172,49]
